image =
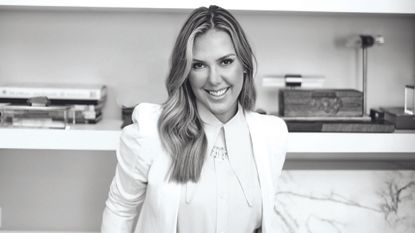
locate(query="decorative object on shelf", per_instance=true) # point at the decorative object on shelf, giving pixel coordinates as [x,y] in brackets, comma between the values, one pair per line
[409,105]
[86,101]
[320,103]
[293,81]
[39,101]
[367,41]
[399,118]
[377,115]
[306,107]
[330,112]
[364,42]
[35,115]
[327,110]
[126,115]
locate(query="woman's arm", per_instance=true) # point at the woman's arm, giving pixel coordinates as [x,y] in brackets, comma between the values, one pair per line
[279,145]
[128,187]
[279,141]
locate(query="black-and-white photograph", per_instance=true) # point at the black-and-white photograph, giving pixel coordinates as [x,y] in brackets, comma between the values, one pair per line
[226,116]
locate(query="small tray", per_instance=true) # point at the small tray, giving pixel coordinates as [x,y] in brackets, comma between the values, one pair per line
[34,116]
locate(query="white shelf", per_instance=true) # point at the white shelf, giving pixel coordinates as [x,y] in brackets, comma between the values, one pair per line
[101,137]
[104,137]
[398,142]
[342,6]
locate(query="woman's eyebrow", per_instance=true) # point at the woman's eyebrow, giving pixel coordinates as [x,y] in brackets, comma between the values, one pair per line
[197,60]
[221,58]
[226,56]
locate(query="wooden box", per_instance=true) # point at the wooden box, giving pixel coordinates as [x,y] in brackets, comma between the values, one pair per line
[320,103]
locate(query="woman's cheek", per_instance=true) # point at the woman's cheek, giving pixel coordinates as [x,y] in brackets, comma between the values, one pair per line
[198,79]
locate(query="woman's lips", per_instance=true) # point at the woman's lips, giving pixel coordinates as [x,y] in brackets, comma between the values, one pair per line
[219,92]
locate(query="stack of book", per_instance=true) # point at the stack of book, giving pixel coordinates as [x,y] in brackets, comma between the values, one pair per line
[85,101]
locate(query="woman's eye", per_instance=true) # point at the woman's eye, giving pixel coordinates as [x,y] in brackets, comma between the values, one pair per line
[227,61]
[197,65]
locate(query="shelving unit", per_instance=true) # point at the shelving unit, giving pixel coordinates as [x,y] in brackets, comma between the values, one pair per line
[105,134]
[104,137]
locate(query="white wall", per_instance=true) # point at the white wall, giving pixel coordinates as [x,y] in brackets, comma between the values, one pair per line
[54,190]
[129,51]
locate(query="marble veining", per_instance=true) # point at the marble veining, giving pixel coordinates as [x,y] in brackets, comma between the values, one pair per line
[322,201]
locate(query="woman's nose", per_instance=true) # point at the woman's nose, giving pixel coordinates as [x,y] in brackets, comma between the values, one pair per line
[214,76]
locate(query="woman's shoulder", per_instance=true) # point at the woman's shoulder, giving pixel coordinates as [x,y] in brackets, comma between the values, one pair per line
[146,111]
[273,122]
[145,117]
[140,139]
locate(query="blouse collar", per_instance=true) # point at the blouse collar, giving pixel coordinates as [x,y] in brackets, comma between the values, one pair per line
[237,127]
[210,119]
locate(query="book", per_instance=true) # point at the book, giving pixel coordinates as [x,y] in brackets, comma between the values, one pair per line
[88,107]
[23,101]
[82,119]
[53,91]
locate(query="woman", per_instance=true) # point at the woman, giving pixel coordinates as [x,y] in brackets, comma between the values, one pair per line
[203,161]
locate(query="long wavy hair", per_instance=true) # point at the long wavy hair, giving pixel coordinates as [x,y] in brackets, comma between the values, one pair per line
[180,128]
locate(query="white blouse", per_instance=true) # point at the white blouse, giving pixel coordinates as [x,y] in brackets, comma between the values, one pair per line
[227,197]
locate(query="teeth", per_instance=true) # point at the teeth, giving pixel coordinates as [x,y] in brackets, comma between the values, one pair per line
[218,92]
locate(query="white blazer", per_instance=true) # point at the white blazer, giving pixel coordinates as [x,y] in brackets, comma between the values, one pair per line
[140,184]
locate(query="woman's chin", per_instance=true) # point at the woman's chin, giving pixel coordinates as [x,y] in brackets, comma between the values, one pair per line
[223,112]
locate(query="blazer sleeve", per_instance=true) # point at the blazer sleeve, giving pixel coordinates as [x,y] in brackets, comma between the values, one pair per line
[128,187]
[280,140]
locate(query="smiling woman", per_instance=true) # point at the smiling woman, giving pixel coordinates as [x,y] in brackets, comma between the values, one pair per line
[216,76]
[203,161]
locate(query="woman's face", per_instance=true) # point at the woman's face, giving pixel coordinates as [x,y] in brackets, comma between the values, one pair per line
[216,75]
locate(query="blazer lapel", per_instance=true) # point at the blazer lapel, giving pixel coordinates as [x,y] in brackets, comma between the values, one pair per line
[168,197]
[262,162]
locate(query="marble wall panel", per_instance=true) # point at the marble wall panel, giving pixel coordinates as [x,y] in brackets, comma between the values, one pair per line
[346,201]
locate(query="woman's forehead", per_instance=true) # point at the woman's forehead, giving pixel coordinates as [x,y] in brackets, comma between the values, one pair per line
[212,44]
